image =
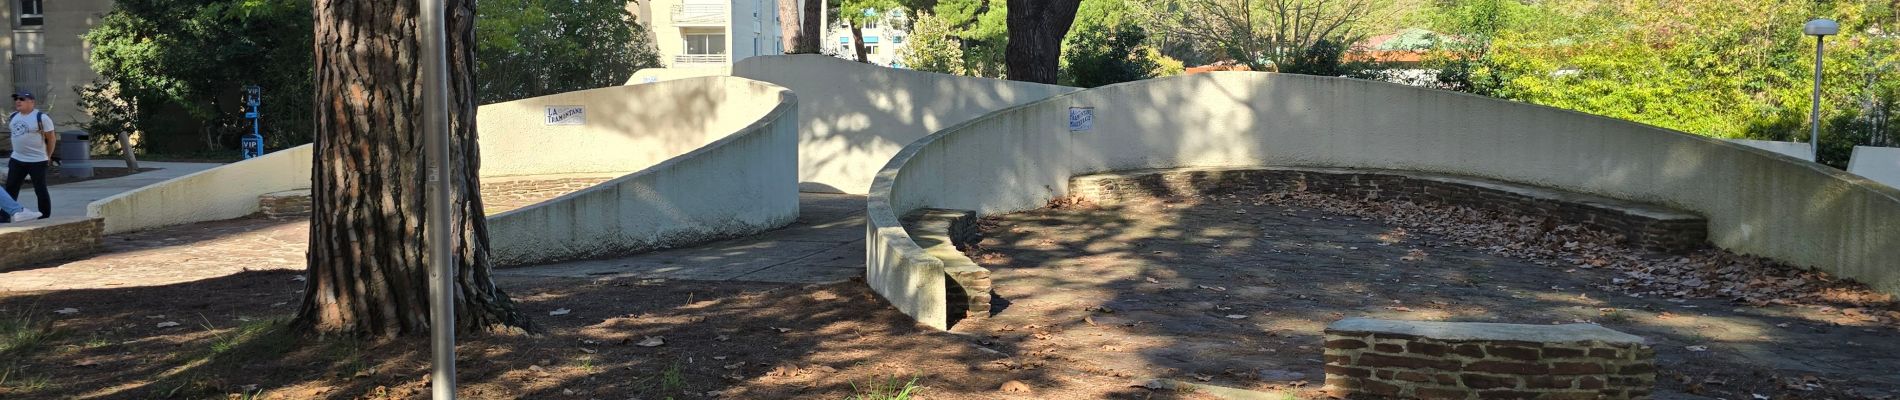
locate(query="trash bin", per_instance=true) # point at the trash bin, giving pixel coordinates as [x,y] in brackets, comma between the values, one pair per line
[75,154]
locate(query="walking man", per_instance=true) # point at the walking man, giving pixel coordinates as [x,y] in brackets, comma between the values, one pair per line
[33,144]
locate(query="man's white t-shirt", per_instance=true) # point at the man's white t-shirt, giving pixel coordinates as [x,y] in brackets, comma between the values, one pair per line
[28,144]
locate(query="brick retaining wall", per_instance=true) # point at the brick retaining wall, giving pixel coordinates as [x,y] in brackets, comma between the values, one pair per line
[944,234]
[24,244]
[1451,360]
[497,196]
[1651,227]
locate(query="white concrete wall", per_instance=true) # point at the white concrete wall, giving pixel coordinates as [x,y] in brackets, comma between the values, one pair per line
[1792,149]
[855,116]
[716,158]
[1757,202]
[673,74]
[649,131]
[1881,164]
[225,192]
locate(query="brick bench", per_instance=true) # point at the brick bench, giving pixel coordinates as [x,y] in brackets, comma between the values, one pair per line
[1648,226]
[944,234]
[1454,360]
[285,204]
[23,244]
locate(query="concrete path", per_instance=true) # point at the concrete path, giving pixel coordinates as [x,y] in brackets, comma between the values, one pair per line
[71,199]
[826,244]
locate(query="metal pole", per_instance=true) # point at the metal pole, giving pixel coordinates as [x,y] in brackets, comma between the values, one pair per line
[1814,117]
[435,132]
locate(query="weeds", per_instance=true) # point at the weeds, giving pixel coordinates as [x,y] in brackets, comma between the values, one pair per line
[886,389]
[14,381]
[24,332]
[672,380]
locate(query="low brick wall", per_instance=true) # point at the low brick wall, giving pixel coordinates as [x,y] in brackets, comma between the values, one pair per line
[497,197]
[1648,226]
[944,234]
[1452,360]
[503,195]
[285,204]
[24,244]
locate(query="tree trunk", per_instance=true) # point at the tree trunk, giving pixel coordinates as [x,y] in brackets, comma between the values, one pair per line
[813,22]
[788,26]
[857,42]
[367,270]
[1036,28]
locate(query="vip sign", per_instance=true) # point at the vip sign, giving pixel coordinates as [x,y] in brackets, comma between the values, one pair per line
[567,115]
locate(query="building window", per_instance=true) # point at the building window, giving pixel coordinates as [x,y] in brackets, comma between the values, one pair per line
[31,13]
[870,49]
[706,44]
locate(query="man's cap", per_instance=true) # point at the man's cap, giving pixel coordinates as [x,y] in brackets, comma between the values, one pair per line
[23,95]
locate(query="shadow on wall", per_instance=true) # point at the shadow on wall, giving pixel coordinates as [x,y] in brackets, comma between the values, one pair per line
[723,155]
[652,133]
[854,116]
[1757,202]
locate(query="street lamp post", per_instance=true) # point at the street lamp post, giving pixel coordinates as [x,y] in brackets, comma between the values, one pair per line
[1820,28]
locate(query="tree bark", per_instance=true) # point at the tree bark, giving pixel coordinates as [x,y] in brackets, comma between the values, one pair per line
[857,43]
[788,26]
[1036,28]
[367,261]
[813,22]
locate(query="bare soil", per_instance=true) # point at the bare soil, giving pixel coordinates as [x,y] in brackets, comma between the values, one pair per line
[1236,291]
[1092,302]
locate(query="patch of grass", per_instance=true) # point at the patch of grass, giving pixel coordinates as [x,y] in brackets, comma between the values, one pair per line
[25,331]
[892,388]
[1617,316]
[672,380]
[14,380]
[259,336]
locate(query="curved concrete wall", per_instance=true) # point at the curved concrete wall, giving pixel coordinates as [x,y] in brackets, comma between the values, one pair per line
[225,192]
[854,116]
[1757,202]
[720,181]
[667,135]
[652,75]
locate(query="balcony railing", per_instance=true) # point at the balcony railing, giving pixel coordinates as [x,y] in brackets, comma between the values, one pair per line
[686,59]
[700,15]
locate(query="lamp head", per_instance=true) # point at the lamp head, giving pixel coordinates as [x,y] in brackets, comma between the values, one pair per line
[1822,27]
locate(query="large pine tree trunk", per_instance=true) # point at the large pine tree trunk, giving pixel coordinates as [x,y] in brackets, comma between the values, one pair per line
[788,26]
[367,270]
[1036,28]
[809,27]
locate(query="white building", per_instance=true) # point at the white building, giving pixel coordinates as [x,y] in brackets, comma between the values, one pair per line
[711,33]
[883,38]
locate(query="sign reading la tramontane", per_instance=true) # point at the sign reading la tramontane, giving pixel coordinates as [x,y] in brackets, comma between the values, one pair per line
[567,115]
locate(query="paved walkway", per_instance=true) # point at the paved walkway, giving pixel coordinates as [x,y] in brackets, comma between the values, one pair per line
[825,245]
[71,199]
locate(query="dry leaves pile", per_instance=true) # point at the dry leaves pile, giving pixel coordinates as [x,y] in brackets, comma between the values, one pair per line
[1706,273]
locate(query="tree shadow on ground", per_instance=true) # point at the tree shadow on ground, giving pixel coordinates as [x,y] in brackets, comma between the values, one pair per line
[1235,291]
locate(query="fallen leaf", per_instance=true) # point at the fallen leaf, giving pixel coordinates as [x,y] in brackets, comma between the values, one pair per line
[560,312]
[588,350]
[66,311]
[1697,348]
[1235,316]
[722,338]
[167,324]
[1152,280]
[652,341]
[1203,378]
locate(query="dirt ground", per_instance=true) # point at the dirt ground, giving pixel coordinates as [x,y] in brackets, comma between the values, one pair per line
[1092,302]
[1237,293]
